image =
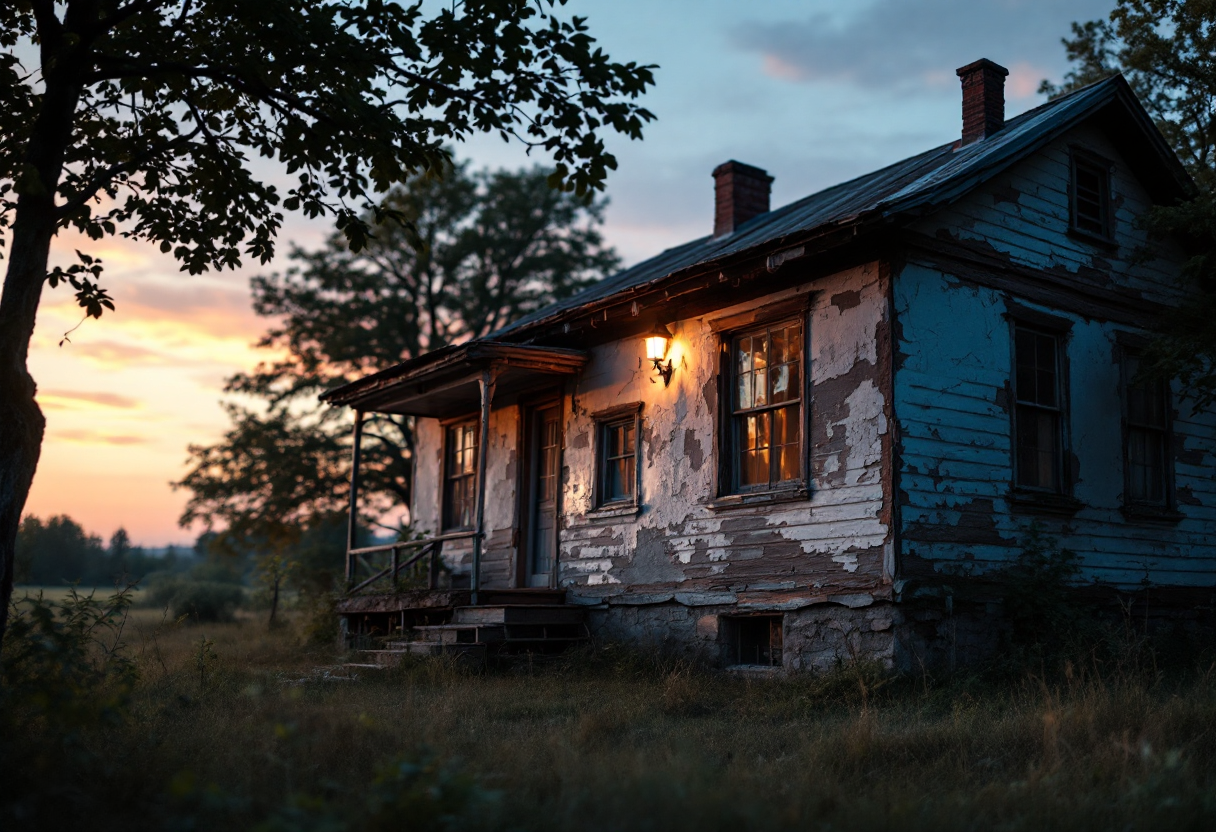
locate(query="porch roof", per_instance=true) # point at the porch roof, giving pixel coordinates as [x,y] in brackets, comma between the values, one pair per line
[445,382]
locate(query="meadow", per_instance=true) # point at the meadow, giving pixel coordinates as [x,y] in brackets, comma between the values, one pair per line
[234,726]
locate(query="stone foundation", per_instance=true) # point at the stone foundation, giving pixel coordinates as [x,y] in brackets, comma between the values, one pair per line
[819,638]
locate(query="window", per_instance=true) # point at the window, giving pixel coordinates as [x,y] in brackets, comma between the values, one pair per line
[616,484]
[1146,431]
[618,461]
[460,476]
[1091,208]
[754,640]
[1039,410]
[766,407]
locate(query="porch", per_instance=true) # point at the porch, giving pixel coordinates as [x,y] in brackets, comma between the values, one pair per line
[408,597]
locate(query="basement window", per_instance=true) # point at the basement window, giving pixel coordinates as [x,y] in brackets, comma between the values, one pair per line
[754,641]
[1090,196]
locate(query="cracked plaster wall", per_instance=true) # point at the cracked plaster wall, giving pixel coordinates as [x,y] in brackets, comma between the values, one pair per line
[498,552]
[837,541]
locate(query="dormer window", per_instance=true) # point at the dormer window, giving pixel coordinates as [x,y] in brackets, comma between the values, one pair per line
[1090,196]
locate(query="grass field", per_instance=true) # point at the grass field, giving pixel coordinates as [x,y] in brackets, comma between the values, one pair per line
[57,594]
[234,727]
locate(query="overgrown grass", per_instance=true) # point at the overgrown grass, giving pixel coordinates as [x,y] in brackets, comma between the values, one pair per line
[232,726]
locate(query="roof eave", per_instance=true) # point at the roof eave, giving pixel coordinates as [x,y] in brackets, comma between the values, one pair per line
[454,360]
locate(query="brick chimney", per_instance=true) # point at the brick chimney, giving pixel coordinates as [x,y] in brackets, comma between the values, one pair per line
[983,100]
[740,193]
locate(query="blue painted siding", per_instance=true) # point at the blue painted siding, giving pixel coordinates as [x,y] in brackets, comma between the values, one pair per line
[953,366]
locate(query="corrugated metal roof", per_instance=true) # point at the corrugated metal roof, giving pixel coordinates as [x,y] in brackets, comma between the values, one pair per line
[916,184]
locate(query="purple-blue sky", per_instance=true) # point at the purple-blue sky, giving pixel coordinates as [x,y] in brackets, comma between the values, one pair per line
[815,92]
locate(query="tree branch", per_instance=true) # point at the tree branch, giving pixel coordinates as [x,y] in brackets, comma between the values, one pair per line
[105,177]
[123,13]
[259,91]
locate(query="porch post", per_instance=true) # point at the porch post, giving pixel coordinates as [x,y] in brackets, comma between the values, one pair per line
[486,382]
[352,529]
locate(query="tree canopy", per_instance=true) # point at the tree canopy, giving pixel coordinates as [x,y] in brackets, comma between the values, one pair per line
[482,249]
[1167,51]
[163,121]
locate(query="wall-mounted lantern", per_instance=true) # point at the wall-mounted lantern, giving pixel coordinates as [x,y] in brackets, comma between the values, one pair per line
[656,350]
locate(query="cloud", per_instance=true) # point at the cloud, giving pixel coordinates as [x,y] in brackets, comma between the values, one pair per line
[216,307]
[901,45]
[118,354]
[58,397]
[220,311]
[93,437]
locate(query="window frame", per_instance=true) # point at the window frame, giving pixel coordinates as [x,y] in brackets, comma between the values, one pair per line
[445,496]
[1131,347]
[1081,158]
[730,491]
[603,419]
[735,630]
[1033,320]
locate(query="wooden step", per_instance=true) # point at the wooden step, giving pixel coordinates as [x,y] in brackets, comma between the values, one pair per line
[460,633]
[393,657]
[545,632]
[521,597]
[548,640]
[520,614]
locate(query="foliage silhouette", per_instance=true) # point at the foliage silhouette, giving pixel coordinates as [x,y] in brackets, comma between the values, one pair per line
[143,118]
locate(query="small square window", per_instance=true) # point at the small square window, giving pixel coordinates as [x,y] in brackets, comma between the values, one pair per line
[617,457]
[753,641]
[1090,196]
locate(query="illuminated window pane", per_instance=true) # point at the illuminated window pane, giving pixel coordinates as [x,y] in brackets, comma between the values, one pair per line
[767,384]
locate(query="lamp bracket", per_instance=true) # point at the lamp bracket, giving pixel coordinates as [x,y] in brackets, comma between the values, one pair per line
[665,370]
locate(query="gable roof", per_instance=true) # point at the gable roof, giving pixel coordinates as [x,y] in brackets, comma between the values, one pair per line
[903,190]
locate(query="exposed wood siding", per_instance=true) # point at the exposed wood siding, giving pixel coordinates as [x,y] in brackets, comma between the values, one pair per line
[952,398]
[1024,214]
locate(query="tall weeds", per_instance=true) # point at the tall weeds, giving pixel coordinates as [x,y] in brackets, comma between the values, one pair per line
[277,736]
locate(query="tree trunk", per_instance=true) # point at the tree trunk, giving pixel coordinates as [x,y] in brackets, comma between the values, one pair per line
[274,602]
[21,422]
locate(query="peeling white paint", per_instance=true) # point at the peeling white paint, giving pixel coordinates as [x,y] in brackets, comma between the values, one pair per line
[835,538]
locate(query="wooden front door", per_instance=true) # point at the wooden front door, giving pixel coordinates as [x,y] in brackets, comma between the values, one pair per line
[543,438]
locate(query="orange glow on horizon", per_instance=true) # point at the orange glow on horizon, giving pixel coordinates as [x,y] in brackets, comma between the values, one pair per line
[126,394]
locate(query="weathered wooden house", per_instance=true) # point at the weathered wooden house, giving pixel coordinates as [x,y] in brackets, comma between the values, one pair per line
[825,429]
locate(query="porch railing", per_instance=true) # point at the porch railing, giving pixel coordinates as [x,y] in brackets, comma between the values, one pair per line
[401,556]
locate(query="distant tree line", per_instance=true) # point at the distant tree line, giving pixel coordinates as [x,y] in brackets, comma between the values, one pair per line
[59,551]
[206,582]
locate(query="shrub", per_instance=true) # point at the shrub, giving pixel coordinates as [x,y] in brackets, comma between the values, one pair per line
[65,673]
[1039,600]
[319,620]
[199,601]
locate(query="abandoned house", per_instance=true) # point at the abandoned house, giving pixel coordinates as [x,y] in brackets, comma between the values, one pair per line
[825,429]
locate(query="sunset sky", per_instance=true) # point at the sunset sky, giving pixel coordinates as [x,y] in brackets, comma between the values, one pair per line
[816,92]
